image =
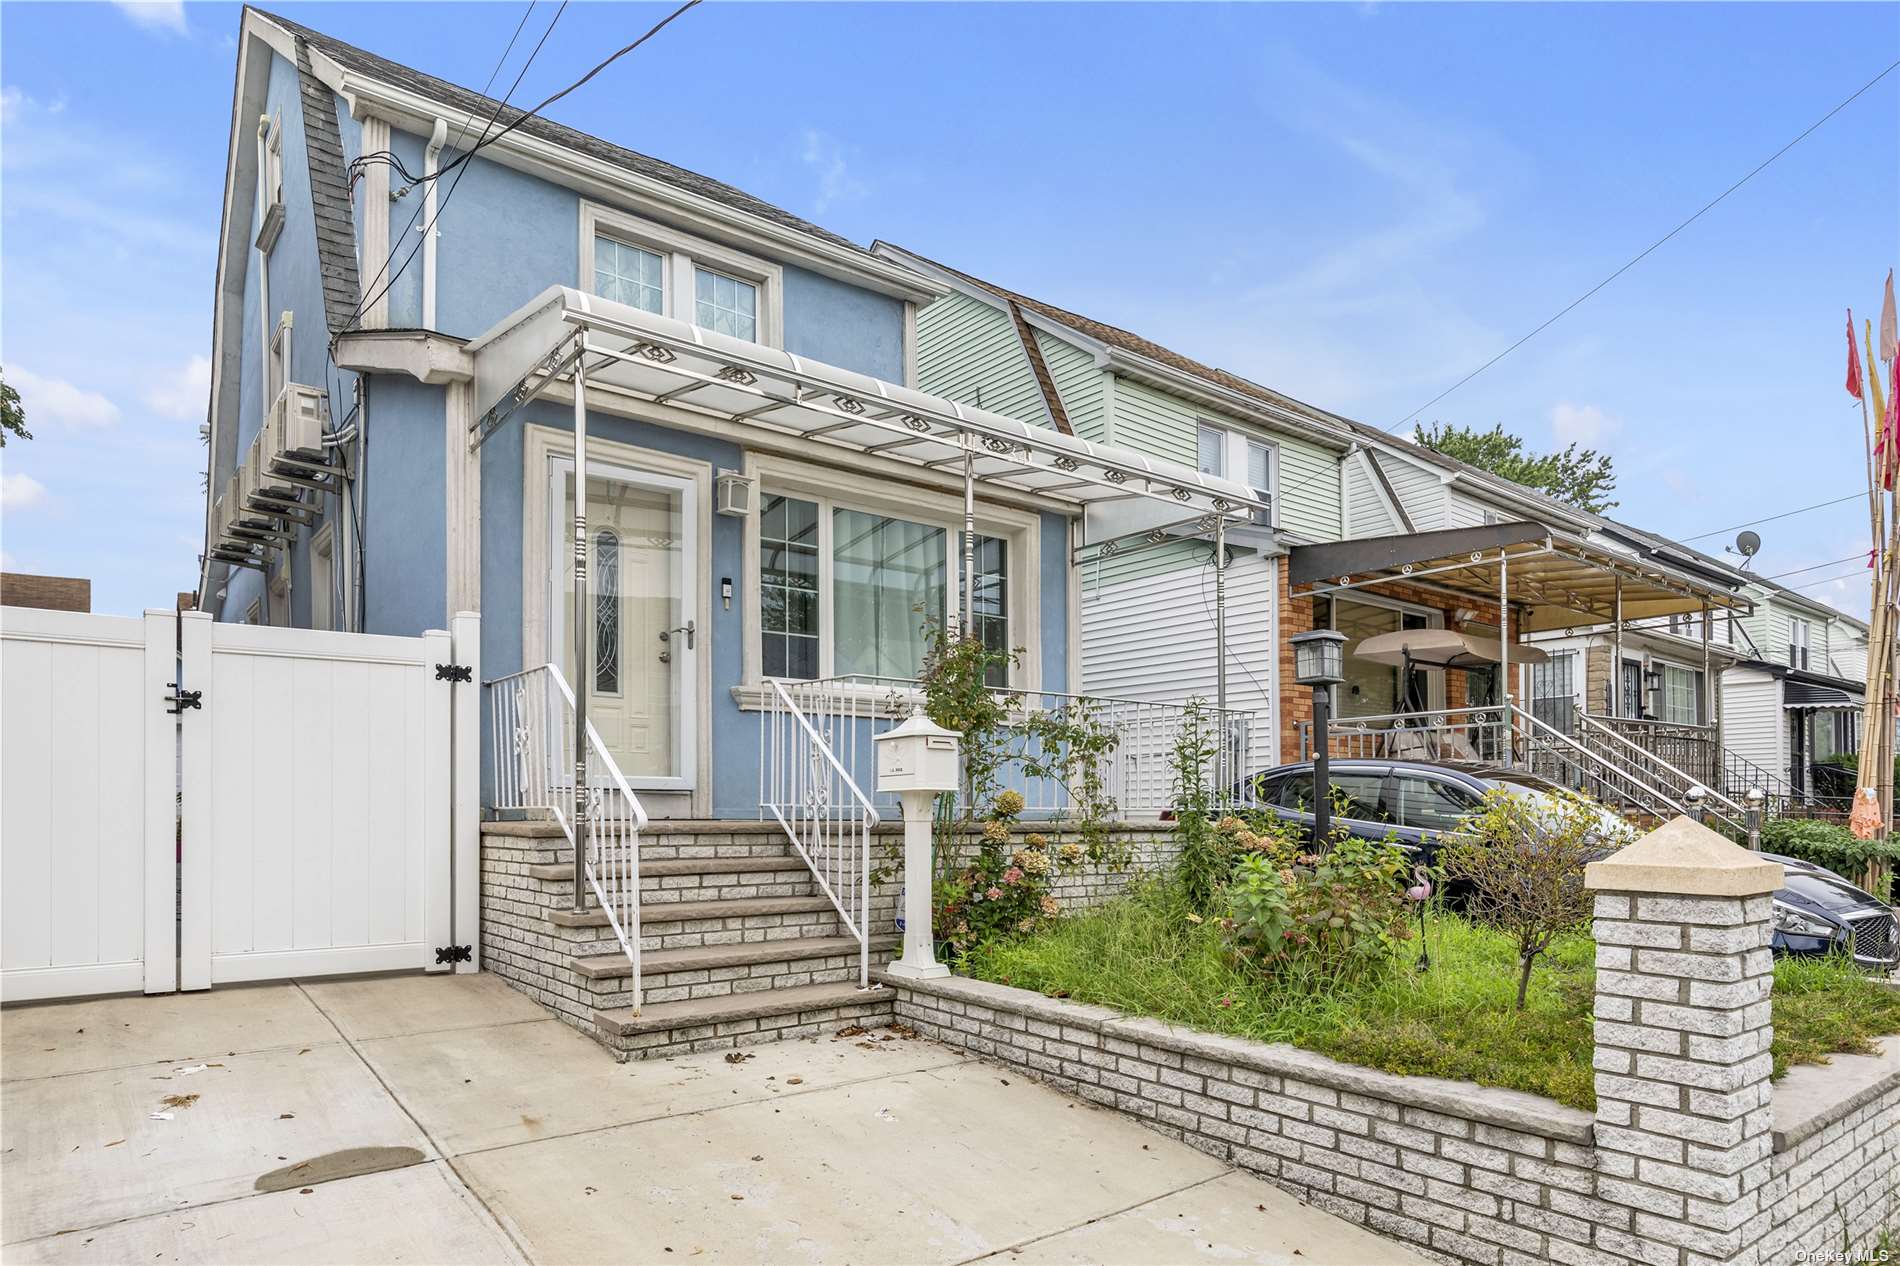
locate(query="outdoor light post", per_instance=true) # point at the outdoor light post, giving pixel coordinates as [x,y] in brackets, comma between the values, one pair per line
[1319,662]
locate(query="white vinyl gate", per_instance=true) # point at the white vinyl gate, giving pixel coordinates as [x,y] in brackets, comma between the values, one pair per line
[186,803]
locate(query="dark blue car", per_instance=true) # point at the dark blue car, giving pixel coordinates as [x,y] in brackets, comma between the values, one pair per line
[1419,802]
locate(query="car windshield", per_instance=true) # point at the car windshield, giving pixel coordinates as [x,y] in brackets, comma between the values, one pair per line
[1548,801]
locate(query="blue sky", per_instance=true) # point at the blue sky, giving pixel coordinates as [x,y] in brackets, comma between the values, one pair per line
[1356,204]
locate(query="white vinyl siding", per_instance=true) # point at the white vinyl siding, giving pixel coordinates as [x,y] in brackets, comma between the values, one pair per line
[1153,638]
[1753,723]
[1079,382]
[1419,490]
[1462,511]
[1368,513]
[1309,489]
[968,351]
[1153,422]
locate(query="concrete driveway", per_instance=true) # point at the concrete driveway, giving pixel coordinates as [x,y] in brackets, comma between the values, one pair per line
[448,1119]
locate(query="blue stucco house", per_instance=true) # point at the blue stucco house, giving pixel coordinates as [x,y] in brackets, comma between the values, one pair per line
[768,494]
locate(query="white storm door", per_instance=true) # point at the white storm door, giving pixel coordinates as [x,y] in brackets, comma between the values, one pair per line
[642,666]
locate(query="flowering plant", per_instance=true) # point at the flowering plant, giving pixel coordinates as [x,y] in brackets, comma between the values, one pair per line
[1004,891]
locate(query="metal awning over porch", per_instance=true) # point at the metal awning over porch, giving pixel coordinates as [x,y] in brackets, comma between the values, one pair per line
[622,351]
[1807,696]
[1553,580]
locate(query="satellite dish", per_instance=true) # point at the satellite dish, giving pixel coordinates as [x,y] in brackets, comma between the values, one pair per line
[1747,545]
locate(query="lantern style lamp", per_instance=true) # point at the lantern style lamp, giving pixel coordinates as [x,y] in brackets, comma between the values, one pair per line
[1319,661]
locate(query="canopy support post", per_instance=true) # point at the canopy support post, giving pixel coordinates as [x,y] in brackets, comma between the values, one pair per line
[968,621]
[1616,653]
[1714,772]
[1504,652]
[1220,647]
[579,816]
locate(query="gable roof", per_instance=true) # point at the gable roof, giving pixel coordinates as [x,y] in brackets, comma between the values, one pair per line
[329,197]
[1679,555]
[482,107]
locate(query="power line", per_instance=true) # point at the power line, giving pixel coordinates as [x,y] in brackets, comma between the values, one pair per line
[1832,562]
[1828,580]
[1707,207]
[1788,514]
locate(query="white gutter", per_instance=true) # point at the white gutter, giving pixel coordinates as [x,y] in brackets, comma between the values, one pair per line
[431,157]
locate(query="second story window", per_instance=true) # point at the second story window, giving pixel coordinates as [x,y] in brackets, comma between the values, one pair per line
[725,305]
[1213,450]
[1800,634]
[1231,455]
[659,269]
[627,274]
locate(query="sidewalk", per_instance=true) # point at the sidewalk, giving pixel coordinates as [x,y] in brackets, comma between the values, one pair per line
[447,1119]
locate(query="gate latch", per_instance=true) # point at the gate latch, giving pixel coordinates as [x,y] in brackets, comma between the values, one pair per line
[454,954]
[454,673]
[182,699]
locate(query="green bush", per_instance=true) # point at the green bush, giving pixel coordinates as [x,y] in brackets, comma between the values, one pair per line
[1831,845]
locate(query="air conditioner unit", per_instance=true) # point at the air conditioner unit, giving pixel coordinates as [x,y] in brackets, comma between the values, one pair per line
[296,424]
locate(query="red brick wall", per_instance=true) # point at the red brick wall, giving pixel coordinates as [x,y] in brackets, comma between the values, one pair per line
[1296,616]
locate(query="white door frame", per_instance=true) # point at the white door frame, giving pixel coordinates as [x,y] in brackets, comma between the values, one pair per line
[686,676]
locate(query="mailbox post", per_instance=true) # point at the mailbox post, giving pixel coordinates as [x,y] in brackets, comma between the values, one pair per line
[917,760]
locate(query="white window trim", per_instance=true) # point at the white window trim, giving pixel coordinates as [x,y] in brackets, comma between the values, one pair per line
[1234,445]
[278,361]
[542,448]
[682,253]
[1022,531]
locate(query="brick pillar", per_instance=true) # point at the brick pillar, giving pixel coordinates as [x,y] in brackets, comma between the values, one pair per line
[1682,1035]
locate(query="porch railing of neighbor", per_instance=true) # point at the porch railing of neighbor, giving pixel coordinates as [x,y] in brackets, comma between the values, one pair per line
[1517,739]
[531,715]
[1690,748]
[1648,759]
[1132,773]
[820,802]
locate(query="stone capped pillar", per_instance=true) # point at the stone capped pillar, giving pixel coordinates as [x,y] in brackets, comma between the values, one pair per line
[1683,1028]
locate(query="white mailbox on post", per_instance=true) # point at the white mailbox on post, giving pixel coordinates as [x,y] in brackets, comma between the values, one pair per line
[917,760]
[918,755]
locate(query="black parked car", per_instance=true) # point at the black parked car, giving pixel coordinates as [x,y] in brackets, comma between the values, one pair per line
[1419,802]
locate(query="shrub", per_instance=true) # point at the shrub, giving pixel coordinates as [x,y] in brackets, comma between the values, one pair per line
[1523,857]
[1005,891]
[1331,914]
[1832,845]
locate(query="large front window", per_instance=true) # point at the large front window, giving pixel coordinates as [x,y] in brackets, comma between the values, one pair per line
[887,580]
[1681,689]
[845,591]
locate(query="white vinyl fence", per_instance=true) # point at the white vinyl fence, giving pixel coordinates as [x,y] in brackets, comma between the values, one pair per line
[308,806]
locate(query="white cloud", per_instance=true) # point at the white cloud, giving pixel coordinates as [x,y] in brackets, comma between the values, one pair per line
[1583,424]
[55,402]
[184,392]
[825,155]
[21,492]
[155,15]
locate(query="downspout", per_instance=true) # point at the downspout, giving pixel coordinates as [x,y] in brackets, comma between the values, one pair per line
[431,158]
[263,322]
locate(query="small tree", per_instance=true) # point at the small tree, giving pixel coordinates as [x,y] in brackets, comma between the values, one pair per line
[12,415]
[1523,856]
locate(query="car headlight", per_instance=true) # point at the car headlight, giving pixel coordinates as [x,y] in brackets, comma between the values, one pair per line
[1796,923]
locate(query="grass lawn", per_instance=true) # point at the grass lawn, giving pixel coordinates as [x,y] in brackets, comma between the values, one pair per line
[1143,954]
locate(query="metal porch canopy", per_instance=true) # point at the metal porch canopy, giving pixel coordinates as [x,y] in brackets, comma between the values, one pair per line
[631,353]
[1555,580]
[1811,696]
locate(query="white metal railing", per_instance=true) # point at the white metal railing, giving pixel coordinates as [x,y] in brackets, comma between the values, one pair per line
[1132,773]
[821,805]
[531,715]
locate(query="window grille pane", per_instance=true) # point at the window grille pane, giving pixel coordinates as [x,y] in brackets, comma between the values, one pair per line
[627,274]
[725,305]
[788,587]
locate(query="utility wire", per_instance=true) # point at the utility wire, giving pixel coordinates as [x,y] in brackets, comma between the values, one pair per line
[1786,514]
[1832,562]
[1706,208]
[1828,580]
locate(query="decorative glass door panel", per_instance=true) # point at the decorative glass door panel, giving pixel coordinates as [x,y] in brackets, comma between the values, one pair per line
[640,654]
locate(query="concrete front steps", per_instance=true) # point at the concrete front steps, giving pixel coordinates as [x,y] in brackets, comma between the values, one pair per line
[738,945]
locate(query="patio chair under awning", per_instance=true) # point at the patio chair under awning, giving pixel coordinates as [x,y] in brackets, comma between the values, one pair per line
[1440,648]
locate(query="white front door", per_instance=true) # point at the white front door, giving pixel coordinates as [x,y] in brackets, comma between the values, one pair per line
[641,599]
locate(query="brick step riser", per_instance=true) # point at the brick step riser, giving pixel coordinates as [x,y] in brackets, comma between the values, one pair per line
[725,982]
[556,852]
[660,890]
[736,1033]
[696,933]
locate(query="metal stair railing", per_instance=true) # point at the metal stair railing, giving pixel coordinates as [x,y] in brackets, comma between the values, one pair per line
[1545,750]
[531,714]
[1656,770]
[813,796]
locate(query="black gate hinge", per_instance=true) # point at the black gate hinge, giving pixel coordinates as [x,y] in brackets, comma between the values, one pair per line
[454,954]
[454,673]
[182,699]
